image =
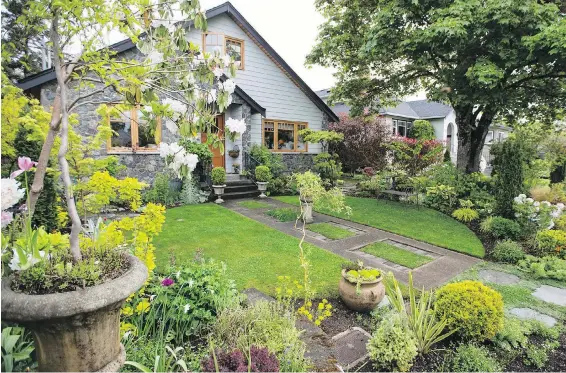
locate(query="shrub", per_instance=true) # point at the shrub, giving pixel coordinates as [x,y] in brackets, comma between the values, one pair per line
[329,168]
[365,142]
[266,157]
[471,358]
[263,324]
[466,213]
[422,130]
[555,193]
[508,252]
[501,228]
[284,213]
[280,186]
[508,170]
[545,267]
[161,191]
[441,198]
[259,360]
[561,223]
[550,242]
[513,336]
[218,176]
[475,310]
[262,174]
[415,155]
[392,345]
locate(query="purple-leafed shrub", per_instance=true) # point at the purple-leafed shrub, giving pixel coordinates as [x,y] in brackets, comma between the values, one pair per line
[235,361]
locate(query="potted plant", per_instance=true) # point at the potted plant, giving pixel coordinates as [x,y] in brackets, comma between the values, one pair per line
[310,187]
[218,182]
[235,152]
[361,288]
[262,176]
[236,167]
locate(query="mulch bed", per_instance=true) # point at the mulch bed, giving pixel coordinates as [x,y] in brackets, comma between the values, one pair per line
[343,318]
[556,361]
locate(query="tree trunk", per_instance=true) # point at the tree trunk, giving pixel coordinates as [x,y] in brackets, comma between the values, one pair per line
[471,136]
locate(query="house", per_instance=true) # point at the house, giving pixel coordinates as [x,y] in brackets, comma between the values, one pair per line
[442,117]
[272,99]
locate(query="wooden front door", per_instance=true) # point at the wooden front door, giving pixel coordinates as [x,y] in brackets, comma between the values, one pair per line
[218,159]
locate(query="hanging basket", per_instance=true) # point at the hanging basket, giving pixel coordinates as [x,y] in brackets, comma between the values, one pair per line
[234,153]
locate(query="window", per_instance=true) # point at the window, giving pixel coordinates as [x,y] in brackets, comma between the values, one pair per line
[502,136]
[217,42]
[283,136]
[132,133]
[401,127]
[489,137]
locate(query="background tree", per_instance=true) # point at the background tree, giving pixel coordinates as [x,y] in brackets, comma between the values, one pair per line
[486,58]
[508,172]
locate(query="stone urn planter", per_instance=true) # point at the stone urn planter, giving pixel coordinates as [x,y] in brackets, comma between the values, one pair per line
[307,209]
[362,299]
[219,191]
[262,187]
[76,331]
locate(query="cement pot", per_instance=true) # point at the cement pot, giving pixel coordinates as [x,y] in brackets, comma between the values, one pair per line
[219,191]
[262,187]
[307,209]
[76,331]
[371,293]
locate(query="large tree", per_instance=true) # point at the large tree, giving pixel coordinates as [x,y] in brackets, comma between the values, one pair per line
[486,58]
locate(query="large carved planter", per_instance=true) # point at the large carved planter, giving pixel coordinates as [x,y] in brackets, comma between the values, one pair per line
[369,296]
[76,331]
[219,191]
[262,187]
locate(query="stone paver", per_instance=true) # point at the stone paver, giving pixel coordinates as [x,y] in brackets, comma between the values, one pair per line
[351,348]
[254,296]
[446,263]
[498,277]
[551,294]
[529,314]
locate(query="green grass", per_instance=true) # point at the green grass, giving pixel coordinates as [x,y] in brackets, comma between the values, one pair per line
[396,255]
[254,253]
[284,214]
[420,223]
[254,204]
[330,231]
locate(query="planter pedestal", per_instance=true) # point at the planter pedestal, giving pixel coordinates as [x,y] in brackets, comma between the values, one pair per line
[262,187]
[219,191]
[307,210]
[76,331]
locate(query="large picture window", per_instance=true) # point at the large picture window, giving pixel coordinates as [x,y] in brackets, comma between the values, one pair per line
[283,136]
[223,44]
[402,127]
[131,133]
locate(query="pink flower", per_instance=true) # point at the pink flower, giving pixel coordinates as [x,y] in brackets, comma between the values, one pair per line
[167,282]
[7,218]
[25,164]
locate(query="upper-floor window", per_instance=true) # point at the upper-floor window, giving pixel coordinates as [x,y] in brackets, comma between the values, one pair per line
[131,133]
[224,44]
[401,127]
[283,135]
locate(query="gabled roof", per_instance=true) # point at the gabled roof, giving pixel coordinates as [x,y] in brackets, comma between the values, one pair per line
[228,9]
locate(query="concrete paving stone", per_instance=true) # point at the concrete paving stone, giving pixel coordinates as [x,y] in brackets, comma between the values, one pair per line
[530,314]
[498,277]
[351,347]
[551,294]
[254,296]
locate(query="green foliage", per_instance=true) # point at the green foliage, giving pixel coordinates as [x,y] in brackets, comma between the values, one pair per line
[414,155]
[161,191]
[191,193]
[262,173]
[465,214]
[280,185]
[329,168]
[376,184]
[441,198]
[311,189]
[101,189]
[202,150]
[264,324]
[17,347]
[550,242]
[561,223]
[508,252]
[284,214]
[422,130]
[501,228]
[396,255]
[265,157]
[546,267]
[218,176]
[426,329]
[514,335]
[472,358]
[474,310]
[392,345]
[325,138]
[508,170]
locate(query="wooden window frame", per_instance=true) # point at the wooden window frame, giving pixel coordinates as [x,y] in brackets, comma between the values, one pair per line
[226,38]
[135,148]
[296,130]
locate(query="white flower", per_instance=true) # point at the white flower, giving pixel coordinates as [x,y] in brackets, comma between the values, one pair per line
[155,57]
[187,308]
[546,203]
[211,96]
[226,59]
[175,105]
[169,24]
[178,274]
[15,263]
[551,225]
[7,218]
[148,109]
[218,72]
[171,126]
[536,204]
[235,125]
[163,150]
[529,200]
[191,283]
[522,196]
[229,86]
[11,193]
[560,205]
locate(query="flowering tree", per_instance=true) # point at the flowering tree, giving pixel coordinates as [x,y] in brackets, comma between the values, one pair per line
[175,81]
[416,155]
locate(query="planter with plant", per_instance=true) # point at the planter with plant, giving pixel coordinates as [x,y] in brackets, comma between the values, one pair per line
[218,182]
[361,288]
[262,176]
[236,168]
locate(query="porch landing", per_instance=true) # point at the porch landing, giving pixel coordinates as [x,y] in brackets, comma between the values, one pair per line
[444,266]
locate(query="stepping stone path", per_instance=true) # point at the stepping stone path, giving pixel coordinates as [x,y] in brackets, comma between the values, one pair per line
[351,347]
[551,294]
[529,314]
[497,277]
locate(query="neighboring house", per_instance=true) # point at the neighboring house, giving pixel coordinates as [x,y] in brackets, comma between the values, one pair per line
[442,117]
[274,101]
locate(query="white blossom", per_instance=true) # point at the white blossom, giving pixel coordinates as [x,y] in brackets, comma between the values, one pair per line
[187,308]
[235,125]
[211,96]
[176,157]
[529,200]
[171,126]
[175,105]
[218,72]
[155,57]
[16,263]
[11,193]
[226,59]
[148,109]
[228,86]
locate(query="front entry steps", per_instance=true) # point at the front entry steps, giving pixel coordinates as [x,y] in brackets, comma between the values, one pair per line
[237,188]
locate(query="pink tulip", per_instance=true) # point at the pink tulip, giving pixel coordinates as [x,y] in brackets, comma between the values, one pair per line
[25,164]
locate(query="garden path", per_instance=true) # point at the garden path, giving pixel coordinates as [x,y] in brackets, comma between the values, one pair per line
[445,264]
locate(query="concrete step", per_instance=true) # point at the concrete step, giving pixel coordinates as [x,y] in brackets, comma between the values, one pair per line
[238,195]
[232,188]
[239,182]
